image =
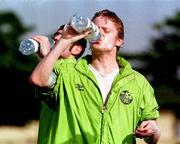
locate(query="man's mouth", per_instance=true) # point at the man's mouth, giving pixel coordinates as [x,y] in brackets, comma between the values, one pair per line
[95,41]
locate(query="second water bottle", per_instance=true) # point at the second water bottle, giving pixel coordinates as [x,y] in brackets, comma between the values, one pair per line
[81,23]
[30,46]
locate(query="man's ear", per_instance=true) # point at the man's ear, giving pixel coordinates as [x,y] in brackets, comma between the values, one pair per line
[119,42]
[76,49]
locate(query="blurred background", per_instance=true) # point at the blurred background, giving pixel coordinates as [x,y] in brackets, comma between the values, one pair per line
[152,46]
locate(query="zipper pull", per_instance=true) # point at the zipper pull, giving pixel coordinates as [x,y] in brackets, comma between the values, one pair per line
[103,109]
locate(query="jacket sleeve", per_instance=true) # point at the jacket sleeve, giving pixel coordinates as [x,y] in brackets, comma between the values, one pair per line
[48,94]
[149,106]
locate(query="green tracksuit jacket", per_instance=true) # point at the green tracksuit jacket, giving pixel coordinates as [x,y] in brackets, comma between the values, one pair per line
[74,112]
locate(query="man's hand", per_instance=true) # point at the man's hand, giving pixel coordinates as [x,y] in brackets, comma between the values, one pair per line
[148,130]
[44,45]
[69,37]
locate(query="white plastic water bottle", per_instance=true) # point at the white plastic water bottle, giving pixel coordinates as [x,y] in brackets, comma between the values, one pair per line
[81,23]
[30,46]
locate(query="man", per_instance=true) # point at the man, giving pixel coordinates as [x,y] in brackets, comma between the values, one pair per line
[67,59]
[102,100]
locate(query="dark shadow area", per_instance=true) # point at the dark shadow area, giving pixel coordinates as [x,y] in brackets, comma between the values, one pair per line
[173,107]
[18,103]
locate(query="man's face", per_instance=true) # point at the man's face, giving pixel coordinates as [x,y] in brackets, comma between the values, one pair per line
[109,38]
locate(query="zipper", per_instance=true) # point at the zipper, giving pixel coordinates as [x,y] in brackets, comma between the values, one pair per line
[102,122]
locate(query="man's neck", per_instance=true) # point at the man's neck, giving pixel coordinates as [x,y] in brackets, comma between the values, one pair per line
[104,64]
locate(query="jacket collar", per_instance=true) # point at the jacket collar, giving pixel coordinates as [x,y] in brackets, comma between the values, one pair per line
[82,66]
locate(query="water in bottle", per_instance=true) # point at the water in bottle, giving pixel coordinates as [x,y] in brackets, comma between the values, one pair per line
[30,46]
[81,23]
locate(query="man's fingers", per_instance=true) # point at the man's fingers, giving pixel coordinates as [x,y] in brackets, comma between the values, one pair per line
[70,33]
[81,35]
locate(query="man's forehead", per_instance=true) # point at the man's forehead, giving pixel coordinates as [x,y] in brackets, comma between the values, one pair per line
[102,20]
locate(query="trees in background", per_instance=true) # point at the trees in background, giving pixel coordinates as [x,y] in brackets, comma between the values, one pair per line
[161,63]
[11,31]
[17,104]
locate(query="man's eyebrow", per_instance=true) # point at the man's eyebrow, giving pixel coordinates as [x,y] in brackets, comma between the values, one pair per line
[105,28]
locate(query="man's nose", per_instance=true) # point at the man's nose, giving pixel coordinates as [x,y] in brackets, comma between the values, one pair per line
[101,31]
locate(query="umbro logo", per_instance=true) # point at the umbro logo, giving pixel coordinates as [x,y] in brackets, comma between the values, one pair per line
[80,87]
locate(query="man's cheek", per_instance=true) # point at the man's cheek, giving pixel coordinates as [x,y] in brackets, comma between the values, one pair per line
[107,43]
[65,54]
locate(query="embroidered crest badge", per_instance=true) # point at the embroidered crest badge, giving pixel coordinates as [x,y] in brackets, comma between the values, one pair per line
[126,97]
